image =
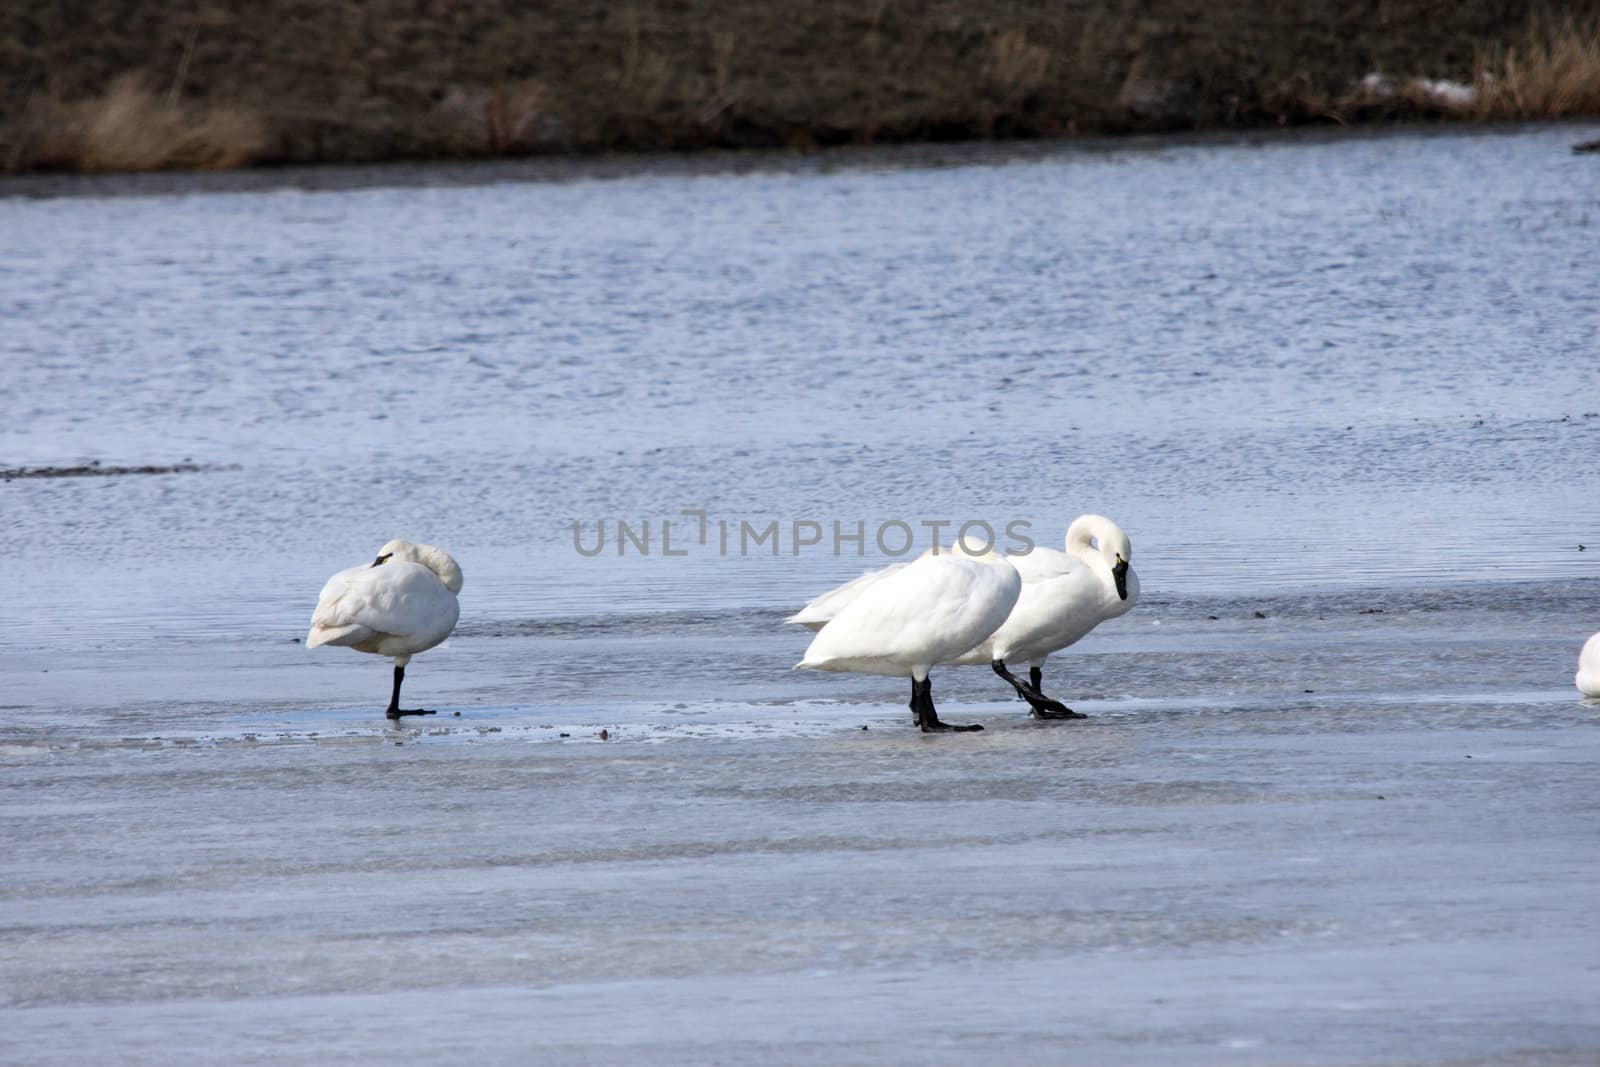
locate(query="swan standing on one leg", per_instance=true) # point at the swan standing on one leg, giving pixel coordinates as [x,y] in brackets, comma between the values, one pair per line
[913,616]
[402,603]
[1064,596]
[1588,677]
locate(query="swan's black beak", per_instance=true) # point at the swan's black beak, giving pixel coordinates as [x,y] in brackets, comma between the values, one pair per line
[1119,574]
[386,555]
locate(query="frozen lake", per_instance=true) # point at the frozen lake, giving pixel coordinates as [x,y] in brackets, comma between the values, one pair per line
[1335,802]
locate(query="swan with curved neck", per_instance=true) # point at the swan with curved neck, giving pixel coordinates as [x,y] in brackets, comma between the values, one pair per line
[914,615]
[1064,596]
[402,603]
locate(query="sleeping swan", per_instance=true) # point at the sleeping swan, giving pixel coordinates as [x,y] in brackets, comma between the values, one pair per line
[914,615]
[402,603]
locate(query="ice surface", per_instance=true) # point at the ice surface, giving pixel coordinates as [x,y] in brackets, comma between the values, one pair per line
[1293,883]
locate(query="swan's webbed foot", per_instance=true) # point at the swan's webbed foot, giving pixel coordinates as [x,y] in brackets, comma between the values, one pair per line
[395,713]
[926,718]
[1054,709]
[949,727]
[1040,706]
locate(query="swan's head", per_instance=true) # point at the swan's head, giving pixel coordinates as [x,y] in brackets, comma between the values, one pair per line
[1096,535]
[436,560]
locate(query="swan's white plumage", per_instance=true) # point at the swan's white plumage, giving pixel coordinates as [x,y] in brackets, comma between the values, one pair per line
[911,616]
[1588,677]
[820,611]
[405,605]
[1064,595]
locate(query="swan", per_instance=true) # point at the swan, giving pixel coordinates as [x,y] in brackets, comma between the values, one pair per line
[913,615]
[402,603]
[1588,676]
[1064,596]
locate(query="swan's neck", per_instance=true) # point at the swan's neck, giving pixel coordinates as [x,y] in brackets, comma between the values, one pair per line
[436,560]
[1081,547]
[1094,542]
[448,570]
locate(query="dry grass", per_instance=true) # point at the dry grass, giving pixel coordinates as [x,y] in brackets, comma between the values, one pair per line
[130,127]
[1553,73]
[504,119]
[391,79]
[1015,69]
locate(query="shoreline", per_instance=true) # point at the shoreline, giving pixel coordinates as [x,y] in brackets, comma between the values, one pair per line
[709,162]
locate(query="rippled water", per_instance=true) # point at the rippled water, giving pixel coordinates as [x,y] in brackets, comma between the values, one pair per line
[1343,393]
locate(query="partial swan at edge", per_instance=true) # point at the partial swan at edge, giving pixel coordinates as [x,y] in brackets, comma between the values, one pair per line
[1588,677]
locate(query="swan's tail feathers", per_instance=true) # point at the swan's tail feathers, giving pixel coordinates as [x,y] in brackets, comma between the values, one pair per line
[821,610]
[353,634]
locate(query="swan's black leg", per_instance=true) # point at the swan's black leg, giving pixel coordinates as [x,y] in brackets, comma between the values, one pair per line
[1053,709]
[395,710]
[1042,706]
[927,717]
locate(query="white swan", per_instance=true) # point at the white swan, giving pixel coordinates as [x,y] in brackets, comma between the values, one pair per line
[402,603]
[914,615]
[1064,596]
[1588,676]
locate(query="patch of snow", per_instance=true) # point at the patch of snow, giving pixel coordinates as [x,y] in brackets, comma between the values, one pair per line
[1439,91]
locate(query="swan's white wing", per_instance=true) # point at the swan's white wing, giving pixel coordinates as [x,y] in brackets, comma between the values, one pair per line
[821,610]
[1043,563]
[333,621]
[1052,613]
[1044,572]
[394,609]
[936,607]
